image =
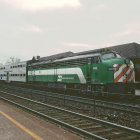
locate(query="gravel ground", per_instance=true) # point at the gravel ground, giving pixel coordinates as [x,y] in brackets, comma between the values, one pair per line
[121,118]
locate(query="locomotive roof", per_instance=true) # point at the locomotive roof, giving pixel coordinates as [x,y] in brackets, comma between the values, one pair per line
[66,59]
[78,57]
[56,56]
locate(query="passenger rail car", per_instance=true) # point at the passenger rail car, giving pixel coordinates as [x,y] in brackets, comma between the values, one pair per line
[14,72]
[106,71]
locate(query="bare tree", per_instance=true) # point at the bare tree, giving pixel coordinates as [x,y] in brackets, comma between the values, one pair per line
[12,60]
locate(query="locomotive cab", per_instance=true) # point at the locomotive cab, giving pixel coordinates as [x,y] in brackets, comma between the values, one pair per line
[119,72]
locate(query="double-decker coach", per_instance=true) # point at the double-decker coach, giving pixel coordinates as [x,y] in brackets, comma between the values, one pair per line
[15,72]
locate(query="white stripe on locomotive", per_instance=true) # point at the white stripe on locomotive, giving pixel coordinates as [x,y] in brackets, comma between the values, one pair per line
[76,71]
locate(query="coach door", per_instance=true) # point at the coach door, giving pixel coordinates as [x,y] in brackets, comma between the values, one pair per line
[89,70]
[7,77]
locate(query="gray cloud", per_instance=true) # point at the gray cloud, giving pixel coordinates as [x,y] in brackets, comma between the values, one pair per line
[88,25]
[41,5]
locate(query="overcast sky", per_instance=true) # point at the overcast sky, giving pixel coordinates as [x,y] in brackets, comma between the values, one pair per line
[47,27]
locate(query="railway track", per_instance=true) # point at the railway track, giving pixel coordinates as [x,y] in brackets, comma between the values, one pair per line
[121,113]
[70,91]
[86,126]
[42,95]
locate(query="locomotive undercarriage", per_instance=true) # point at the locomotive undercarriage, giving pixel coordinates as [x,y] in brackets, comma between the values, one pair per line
[121,88]
[97,89]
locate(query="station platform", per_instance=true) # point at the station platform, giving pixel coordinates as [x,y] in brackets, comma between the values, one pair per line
[16,124]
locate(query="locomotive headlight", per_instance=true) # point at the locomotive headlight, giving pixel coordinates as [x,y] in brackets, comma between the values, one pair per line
[113,69]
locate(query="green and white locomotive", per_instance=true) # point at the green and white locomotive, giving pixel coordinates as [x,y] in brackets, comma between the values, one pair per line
[105,72]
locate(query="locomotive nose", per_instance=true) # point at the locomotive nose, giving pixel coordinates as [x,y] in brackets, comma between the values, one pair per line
[125,73]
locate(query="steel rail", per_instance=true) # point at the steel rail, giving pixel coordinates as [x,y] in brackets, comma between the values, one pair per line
[101,101]
[86,133]
[101,106]
[113,125]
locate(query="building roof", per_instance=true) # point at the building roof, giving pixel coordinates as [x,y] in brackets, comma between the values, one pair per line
[130,50]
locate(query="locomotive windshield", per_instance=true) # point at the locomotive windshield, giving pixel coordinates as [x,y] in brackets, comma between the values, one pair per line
[110,55]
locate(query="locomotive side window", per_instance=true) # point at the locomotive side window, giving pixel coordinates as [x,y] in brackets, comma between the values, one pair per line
[96,60]
[108,56]
[118,56]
